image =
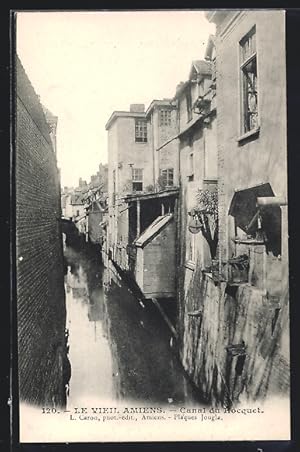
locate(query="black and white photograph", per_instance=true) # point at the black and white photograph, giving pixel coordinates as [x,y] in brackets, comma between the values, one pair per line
[152,267]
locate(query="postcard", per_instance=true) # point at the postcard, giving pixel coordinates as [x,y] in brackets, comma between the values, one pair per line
[152,285]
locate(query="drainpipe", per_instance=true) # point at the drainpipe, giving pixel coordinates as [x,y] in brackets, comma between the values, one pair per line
[153,150]
[138,218]
[271,201]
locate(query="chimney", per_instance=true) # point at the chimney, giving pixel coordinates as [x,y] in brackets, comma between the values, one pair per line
[179,86]
[137,108]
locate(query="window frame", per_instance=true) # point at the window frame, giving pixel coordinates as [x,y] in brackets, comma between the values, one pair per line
[168,171]
[165,117]
[243,131]
[137,179]
[140,133]
[190,258]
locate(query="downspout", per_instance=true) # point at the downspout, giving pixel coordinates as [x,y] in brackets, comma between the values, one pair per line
[153,150]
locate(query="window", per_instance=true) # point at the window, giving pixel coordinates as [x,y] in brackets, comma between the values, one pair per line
[77,213]
[191,167]
[137,179]
[189,105]
[141,131]
[165,117]
[167,176]
[249,82]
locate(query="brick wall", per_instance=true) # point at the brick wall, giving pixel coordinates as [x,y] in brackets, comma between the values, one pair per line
[40,290]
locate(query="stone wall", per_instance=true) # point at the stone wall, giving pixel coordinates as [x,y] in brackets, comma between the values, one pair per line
[232,341]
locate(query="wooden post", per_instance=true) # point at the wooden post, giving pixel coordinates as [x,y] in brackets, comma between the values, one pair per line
[138,218]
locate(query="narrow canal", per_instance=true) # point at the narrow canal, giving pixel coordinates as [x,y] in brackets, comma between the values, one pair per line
[119,346]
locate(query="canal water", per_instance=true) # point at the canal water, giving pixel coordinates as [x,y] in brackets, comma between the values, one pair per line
[120,347]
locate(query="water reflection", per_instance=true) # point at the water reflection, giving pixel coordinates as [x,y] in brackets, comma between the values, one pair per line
[119,347]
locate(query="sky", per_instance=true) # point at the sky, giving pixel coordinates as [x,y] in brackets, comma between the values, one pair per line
[85,65]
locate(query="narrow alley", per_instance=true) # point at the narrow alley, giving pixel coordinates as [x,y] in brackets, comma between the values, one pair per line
[120,347]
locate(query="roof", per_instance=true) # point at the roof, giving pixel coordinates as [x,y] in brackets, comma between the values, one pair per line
[174,191]
[77,198]
[31,101]
[216,16]
[202,67]
[50,117]
[123,114]
[243,204]
[153,230]
[160,102]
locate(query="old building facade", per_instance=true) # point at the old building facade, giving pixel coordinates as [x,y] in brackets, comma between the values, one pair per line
[41,314]
[130,169]
[249,357]
[252,149]
[214,158]
[142,173]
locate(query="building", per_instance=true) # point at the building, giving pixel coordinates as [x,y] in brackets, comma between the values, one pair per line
[100,178]
[78,203]
[130,169]
[41,312]
[162,116]
[198,226]
[248,358]
[66,206]
[85,205]
[252,147]
[212,163]
[95,217]
[156,255]
[143,175]
[197,142]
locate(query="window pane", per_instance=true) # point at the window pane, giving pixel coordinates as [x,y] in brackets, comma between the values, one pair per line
[248,45]
[165,117]
[137,174]
[137,186]
[250,96]
[167,176]
[249,82]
